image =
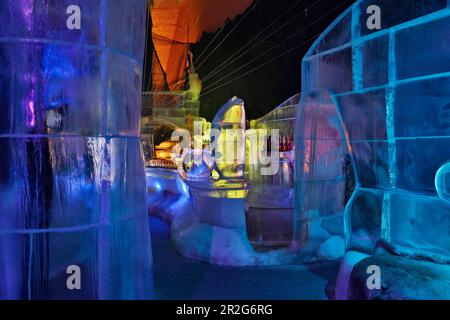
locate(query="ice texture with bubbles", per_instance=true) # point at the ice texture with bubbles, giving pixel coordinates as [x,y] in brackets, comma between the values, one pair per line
[72,183]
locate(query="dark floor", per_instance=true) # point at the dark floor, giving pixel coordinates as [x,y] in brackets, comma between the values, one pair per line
[178,278]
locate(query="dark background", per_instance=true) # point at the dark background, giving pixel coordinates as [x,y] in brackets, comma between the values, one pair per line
[270,85]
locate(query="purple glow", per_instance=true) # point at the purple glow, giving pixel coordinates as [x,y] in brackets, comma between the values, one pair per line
[27,9]
[31,118]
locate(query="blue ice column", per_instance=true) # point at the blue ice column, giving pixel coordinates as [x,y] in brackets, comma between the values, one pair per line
[391,90]
[72,183]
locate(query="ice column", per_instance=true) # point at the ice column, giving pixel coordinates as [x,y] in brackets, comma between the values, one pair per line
[72,186]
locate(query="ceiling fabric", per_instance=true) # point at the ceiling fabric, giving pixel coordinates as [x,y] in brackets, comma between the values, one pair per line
[177,23]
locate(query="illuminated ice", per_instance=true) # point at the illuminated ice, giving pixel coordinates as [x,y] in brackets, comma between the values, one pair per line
[207,209]
[374,128]
[72,183]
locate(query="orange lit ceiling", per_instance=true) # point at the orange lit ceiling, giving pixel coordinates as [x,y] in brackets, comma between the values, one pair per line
[176,23]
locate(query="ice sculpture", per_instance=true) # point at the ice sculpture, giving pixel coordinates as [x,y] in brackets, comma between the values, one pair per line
[227,161]
[211,226]
[382,107]
[72,183]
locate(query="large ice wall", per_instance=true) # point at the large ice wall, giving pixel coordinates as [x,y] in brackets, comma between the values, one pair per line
[381,100]
[72,182]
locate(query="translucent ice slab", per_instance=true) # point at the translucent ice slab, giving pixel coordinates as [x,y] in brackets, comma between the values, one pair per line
[72,182]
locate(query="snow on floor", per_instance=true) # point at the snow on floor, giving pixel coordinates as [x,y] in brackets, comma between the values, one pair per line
[179,278]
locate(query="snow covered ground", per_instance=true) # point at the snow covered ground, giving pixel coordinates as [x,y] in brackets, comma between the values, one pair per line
[176,277]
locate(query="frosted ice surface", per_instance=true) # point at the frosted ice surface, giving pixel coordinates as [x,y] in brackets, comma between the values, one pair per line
[72,182]
[390,89]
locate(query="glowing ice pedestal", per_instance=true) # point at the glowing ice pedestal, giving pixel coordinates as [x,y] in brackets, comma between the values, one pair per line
[216,232]
[72,183]
[220,201]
